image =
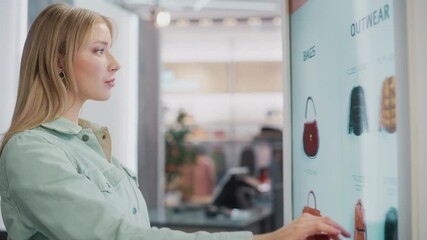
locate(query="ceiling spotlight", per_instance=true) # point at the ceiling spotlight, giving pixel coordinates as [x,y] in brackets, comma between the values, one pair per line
[276,21]
[162,18]
[229,22]
[254,21]
[182,22]
[205,22]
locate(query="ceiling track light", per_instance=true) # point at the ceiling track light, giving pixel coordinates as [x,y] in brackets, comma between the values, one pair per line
[162,18]
[182,22]
[229,22]
[277,21]
[254,21]
[206,22]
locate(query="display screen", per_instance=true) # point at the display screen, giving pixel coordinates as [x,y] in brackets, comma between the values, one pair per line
[343,97]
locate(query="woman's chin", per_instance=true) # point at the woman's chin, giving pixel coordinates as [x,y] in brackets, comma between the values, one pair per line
[103,98]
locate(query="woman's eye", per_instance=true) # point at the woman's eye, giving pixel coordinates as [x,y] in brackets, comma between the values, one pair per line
[99,51]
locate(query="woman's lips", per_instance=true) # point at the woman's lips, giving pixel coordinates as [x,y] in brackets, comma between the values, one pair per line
[111,82]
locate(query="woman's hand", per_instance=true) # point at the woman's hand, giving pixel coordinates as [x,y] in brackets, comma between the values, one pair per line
[305,226]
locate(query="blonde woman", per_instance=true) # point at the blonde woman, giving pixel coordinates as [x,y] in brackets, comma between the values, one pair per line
[58,179]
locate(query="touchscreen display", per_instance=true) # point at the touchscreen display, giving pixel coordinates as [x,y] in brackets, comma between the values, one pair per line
[343,94]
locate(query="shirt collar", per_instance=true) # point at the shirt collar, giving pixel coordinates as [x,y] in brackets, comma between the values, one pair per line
[64,125]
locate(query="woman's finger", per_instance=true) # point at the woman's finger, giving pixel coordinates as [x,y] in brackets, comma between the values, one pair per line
[334,224]
[316,225]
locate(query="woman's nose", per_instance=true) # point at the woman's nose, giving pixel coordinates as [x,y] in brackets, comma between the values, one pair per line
[115,65]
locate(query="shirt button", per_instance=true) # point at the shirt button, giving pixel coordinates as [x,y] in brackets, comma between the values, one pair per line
[85,138]
[134,211]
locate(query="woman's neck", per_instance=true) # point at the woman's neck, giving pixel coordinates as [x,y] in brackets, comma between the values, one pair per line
[73,110]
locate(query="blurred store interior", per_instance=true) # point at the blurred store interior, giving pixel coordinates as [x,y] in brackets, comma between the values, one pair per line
[202,84]
[199,110]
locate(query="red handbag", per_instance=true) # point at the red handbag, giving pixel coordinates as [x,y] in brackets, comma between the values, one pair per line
[315,212]
[311,133]
[359,222]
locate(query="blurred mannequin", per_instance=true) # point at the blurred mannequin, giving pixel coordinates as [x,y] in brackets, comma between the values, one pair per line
[204,174]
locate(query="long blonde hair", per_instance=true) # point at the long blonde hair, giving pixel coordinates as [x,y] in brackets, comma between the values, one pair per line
[52,41]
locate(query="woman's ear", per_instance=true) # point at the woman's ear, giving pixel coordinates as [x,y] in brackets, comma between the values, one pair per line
[60,61]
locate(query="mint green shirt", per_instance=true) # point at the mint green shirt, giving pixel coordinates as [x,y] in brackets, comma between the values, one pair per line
[60,181]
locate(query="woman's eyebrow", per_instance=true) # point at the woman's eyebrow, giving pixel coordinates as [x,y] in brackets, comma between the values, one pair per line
[102,42]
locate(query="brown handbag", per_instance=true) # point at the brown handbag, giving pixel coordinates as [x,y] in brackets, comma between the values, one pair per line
[311,133]
[359,222]
[388,105]
[315,212]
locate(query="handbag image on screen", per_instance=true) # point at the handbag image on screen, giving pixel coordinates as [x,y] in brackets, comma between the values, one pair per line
[359,222]
[388,105]
[315,212]
[311,133]
[390,226]
[358,122]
